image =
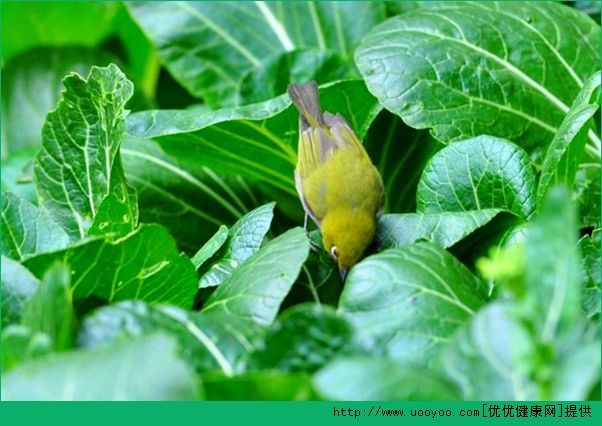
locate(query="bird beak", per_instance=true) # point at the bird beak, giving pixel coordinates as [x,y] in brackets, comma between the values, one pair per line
[343,274]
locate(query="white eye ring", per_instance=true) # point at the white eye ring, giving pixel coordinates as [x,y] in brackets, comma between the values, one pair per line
[334,252]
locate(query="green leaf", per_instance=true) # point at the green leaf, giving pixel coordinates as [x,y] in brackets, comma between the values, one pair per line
[589,246]
[209,47]
[400,153]
[50,310]
[257,142]
[258,386]
[18,287]
[208,342]
[143,369]
[145,266]
[210,247]
[257,287]
[244,239]
[271,78]
[28,230]
[190,201]
[552,275]
[305,338]
[444,229]
[20,344]
[371,379]
[31,86]
[566,150]
[78,164]
[27,25]
[437,67]
[478,173]
[485,357]
[409,300]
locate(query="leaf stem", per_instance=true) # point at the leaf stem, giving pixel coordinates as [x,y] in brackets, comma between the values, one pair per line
[311,286]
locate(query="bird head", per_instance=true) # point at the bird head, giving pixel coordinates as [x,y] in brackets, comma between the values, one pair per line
[346,235]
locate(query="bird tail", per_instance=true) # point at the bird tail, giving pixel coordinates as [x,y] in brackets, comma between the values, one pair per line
[306,99]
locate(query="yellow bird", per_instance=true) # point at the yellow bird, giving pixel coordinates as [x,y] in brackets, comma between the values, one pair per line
[338,185]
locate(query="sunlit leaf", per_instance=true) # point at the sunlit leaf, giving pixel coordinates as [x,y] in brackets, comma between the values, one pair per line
[78,164]
[463,69]
[410,300]
[478,173]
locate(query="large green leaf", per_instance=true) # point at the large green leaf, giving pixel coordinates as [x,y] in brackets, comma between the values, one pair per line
[257,142]
[258,286]
[304,338]
[145,265]
[18,287]
[27,230]
[209,47]
[566,150]
[552,276]
[192,202]
[485,358]
[79,161]
[478,173]
[20,344]
[409,300]
[444,229]
[207,341]
[370,379]
[143,369]
[26,25]
[50,310]
[244,239]
[465,69]
[31,86]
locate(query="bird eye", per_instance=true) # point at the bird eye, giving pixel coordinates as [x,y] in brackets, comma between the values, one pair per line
[334,252]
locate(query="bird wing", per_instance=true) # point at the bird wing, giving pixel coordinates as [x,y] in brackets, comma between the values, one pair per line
[317,144]
[304,203]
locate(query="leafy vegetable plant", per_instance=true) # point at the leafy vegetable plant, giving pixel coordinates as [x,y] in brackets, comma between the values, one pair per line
[151,226]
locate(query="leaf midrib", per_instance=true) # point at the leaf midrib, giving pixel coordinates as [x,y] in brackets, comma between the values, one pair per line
[510,67]
[211,25]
